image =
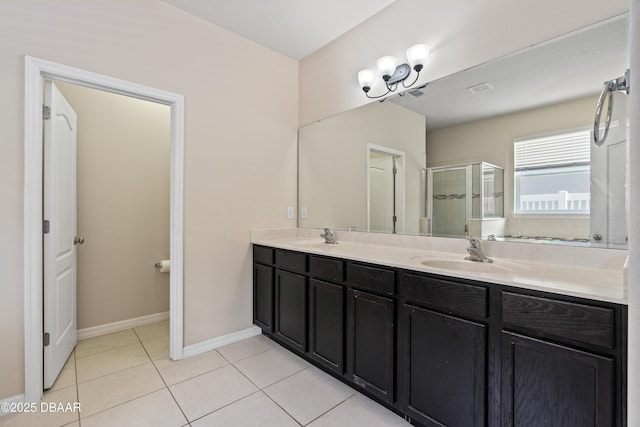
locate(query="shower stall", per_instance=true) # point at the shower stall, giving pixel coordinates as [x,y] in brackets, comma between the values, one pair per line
[458,195]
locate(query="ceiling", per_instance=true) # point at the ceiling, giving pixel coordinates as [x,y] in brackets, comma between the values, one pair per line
[295,28]
[568,67]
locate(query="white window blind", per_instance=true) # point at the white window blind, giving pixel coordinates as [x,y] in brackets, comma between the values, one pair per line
[565,149]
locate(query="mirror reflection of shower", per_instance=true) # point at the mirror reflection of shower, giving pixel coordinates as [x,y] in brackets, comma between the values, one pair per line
[465,200]
[385,185]
[449,203]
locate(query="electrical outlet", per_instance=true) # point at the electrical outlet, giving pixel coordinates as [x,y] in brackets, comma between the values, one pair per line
[303,212]
[291,212]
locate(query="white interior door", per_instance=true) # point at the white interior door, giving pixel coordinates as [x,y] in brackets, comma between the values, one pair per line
[385,189]
[59,236]
[608,189]
[381,194]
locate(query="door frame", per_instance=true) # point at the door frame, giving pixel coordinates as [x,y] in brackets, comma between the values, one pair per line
[401,156]
[36,70]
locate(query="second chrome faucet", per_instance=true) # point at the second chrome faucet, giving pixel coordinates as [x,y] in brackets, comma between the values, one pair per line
[475,252]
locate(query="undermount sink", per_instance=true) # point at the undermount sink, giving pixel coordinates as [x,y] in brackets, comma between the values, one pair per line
[313,244]
[466,266]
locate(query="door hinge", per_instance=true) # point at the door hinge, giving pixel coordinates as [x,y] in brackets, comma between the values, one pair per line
[46,112]
[46,339]
[45,226]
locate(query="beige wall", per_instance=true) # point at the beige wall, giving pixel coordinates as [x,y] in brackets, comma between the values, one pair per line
[461,34]
[240,133]
[333,164]
[491,140]
[241,109]
[123,162]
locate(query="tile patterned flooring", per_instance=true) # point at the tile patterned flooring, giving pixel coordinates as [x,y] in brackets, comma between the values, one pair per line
[126,379]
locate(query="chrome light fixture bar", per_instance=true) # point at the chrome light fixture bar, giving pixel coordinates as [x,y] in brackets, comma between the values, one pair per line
[394,74]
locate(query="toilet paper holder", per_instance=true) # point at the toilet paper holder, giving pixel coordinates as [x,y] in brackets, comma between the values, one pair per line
[163,266]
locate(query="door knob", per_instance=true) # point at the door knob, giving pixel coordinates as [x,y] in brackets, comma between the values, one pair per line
[78,240]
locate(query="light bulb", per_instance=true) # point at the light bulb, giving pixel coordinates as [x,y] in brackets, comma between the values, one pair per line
[366,78]
[387,66]
[417,55]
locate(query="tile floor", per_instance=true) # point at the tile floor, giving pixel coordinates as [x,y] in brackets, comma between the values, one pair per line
[126,379]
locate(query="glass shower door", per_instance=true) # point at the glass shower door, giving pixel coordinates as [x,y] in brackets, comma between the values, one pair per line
[449,203]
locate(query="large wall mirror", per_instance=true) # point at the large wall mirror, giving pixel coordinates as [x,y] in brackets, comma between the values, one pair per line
[500,151]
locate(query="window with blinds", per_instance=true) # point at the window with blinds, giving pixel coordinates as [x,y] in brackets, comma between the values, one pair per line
[552,174]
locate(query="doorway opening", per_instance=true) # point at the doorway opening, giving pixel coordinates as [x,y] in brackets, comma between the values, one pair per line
[385,189]
[36,71]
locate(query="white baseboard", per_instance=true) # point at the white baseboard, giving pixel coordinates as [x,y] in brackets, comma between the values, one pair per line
[121,325]
[212,344]
[19,398]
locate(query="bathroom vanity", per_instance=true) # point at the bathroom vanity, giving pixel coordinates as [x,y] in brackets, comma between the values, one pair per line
[444,342]
[537,338]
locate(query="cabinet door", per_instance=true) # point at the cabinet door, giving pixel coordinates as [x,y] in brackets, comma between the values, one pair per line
[443,374]
[291,309]
[545,384]
[263,297]
[370,342]
[326,324]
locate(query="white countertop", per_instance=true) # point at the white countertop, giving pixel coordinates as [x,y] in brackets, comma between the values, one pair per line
[599,284]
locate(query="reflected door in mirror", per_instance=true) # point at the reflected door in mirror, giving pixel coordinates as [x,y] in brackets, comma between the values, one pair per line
[385,205]
[608,183]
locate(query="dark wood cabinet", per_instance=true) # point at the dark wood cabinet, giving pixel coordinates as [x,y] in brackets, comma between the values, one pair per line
[291,309]
[546,384]
[559,362]
[371,343]
[442,368]
[263,296]
[326,324]
[263,287]
[445,351]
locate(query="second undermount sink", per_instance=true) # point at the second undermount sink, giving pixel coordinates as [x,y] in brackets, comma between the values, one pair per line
[467,266]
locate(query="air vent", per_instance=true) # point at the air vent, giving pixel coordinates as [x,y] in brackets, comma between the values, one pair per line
[416,93]
[481,88]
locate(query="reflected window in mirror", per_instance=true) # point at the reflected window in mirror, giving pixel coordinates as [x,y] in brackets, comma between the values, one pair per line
[552,174]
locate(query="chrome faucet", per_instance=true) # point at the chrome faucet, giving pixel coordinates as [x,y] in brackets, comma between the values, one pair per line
[328,237]
[475,252]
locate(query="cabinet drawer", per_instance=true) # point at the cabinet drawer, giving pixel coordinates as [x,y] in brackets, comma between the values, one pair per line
[452,296]
[372,278]
[294,261]
[263,254]
[326,268]
[576,322]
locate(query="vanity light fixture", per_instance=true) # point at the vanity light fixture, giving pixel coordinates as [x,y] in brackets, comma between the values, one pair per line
[392,73]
